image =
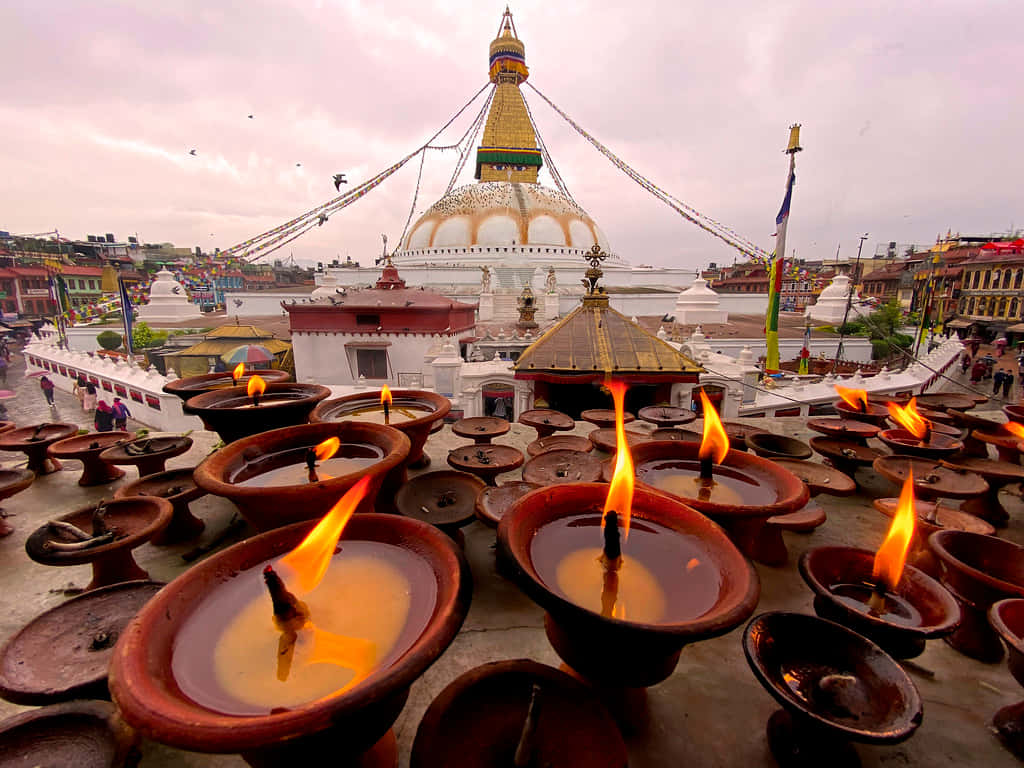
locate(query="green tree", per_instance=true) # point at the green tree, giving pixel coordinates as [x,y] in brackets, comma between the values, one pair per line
[109,340]
[143,336]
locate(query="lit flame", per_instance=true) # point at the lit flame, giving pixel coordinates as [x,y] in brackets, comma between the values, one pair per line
[385,395]
[327,448]
[893,552]
[715,442]
[853,397]
[909,418]
[256,386]
[309,560]
[1015,429]
[620,492]
[238,373]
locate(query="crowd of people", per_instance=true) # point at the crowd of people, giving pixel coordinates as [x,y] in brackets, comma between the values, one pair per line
[106,416]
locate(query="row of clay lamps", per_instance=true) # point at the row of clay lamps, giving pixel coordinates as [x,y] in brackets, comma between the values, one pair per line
[483,458]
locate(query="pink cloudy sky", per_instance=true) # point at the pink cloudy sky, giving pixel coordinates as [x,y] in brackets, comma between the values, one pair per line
[911,113]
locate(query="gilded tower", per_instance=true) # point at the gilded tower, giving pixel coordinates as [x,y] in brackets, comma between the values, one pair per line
[509,150]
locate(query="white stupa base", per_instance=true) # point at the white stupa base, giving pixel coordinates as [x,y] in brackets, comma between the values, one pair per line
[700,316]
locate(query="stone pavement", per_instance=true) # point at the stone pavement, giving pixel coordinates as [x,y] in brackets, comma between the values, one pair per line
[710,713]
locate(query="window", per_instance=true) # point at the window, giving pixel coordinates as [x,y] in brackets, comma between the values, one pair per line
[372,363]
[373,320]
[92,285]
[1006,278]
[984,280]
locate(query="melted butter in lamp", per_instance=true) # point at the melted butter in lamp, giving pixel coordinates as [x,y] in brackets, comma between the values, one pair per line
[359,612]
[374,414]
[693,487]
[298,474]
[640,598]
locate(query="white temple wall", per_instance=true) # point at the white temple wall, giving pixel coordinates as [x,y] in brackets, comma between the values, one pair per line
[855,348]
[260,303]
[323,358]
[743,303]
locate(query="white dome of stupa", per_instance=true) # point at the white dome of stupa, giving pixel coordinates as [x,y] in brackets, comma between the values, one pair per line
[168,301]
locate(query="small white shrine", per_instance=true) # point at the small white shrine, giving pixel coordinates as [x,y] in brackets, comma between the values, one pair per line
[830,308]
[168,302]
[698,304]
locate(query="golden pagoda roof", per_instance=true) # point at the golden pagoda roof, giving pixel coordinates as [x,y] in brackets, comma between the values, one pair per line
[596,340]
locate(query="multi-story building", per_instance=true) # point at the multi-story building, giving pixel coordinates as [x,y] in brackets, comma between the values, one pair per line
[992,285]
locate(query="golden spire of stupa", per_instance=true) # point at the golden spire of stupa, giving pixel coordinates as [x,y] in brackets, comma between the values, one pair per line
[509,150]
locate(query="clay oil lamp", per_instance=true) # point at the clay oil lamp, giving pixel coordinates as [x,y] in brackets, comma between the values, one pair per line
[604,438]
[844,429]
[297,473]
[853,404]
[768,445]
[494,501]
[737,490]
[412,411]
[559,443]
[237,412]
[932,480]
[7,426]
[666,415]
[877,594]
[846,456]
[1014,413]
[674,433]
[979,571]
[178,487]
[485,461]
[546,421]
[34,442]
[190,386]
[998,474]
[85,734]
[87,449]
[13,481]
[298,643]
[944,401]
[970,422]
[738,434]
[917,438]
[603,418]
[517,714]
[445,499]
[1007,441]
[1007,619]
[819,479]
[148,455]
[104,535]
[481,429]
[665,575]
[562,467]
[834,685]
[932,516]
[64,653]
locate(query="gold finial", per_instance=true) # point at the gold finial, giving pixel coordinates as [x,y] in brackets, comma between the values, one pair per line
[794,139]
[595,256]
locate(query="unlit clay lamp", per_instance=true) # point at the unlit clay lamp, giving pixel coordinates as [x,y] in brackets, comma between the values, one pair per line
[739,491]
[190,386]
[1007,445]
[148,455]
[969,422]
[932,480]
[738,433]
[485,461]
[666,415]
[1014,413]
[834,685]
[518,714]
[178,487]
[1007,619]
[844,455]
[943,401]
[768,445]
[493,501]
[674,433]
[445,499]
[329,675]
[844,429]
[13,481]
[998,474]
[482,429]
[87,449]
[64,653]
[878,595]
[83,734]
[34,442]
[562,467]
[546,421]
[979,571]
[412,411]
[853,404]
[298,473]
[103,535]
[238,412]
[603,438]
[933,516]
[559,442]
[603,418]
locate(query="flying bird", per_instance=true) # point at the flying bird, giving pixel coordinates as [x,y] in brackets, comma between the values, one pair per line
[192,152]
[298,165]
[339,179]
[250,117]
